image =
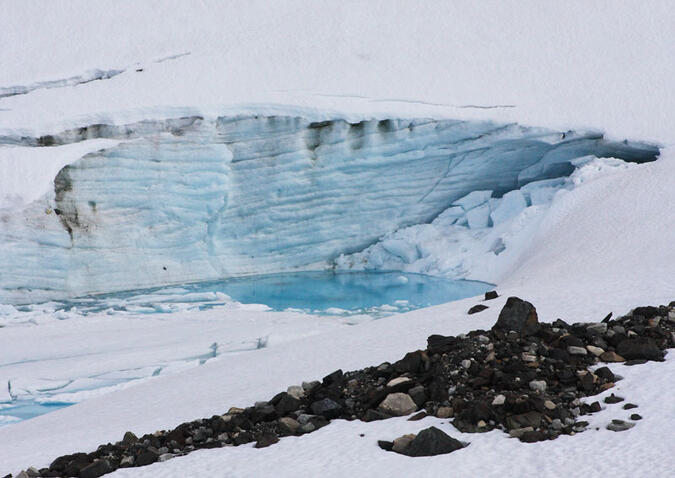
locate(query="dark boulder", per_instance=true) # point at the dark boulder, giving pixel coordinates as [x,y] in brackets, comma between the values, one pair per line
[326,408]
[432,441]
[491,295]
[439,344]
[639,348]
[517,315]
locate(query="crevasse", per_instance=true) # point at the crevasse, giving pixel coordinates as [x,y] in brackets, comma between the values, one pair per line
[194,199]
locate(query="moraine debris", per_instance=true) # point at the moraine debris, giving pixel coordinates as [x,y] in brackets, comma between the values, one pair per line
[523,377]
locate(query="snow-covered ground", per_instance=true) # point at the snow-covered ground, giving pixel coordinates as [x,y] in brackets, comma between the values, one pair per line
[603,243]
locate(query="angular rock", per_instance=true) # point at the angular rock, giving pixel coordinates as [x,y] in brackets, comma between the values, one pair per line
[491,295]
[613,399]
[517,315]
[629,406]
[288,425]
[432,441]
[444,412]
[635,416]
[147,457]
[327,408]
[398,404]
[129,438]
[573,350]
[606,374]
[439,344]
[286,404]
[611,357]
[597,351]
[418,394]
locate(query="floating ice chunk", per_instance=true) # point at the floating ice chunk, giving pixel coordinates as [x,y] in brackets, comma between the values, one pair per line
[479,217]
[402,249]
[473,199]
[449,216]
[510,206]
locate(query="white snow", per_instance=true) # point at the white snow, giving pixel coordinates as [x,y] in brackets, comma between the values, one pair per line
[581,247]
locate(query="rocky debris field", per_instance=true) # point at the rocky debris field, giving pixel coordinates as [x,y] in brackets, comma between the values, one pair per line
[523,377]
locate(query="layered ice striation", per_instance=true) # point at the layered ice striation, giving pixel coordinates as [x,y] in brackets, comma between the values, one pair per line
[192,199]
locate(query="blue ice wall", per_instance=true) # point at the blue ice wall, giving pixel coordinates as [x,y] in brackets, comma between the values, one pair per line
[208,199]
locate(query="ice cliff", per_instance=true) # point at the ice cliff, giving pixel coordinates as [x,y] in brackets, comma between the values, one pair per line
[196,198]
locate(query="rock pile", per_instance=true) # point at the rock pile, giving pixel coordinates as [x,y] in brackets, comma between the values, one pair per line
[523,377]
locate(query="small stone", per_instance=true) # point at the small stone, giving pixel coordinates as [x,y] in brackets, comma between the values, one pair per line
[619,426]
[597,329]
[418,394]
[628,406]
[127,461]
[398,381]
[129,438]
[401,443]
[499,400]
[398,404]
[595,407]
[477,308]
[266,439]
[556,424]
[444,412]
[466,363]
[491,295]
[538,386]
[549,405]
[432,441]
[418,416]
[309,386]
[165,456]
[235,411]
[611,357]
[296,391]
[526,357]
[33,472]
[288,425]
[613,399]
[597,351]
[518,432]
[606,374]
[573,350]
[533,436]
[481,424]
[635,416]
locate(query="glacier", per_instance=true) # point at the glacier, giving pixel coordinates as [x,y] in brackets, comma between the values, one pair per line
[196,198]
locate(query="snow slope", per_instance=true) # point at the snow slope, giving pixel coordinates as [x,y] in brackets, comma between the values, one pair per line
[571,292]
[605,245]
